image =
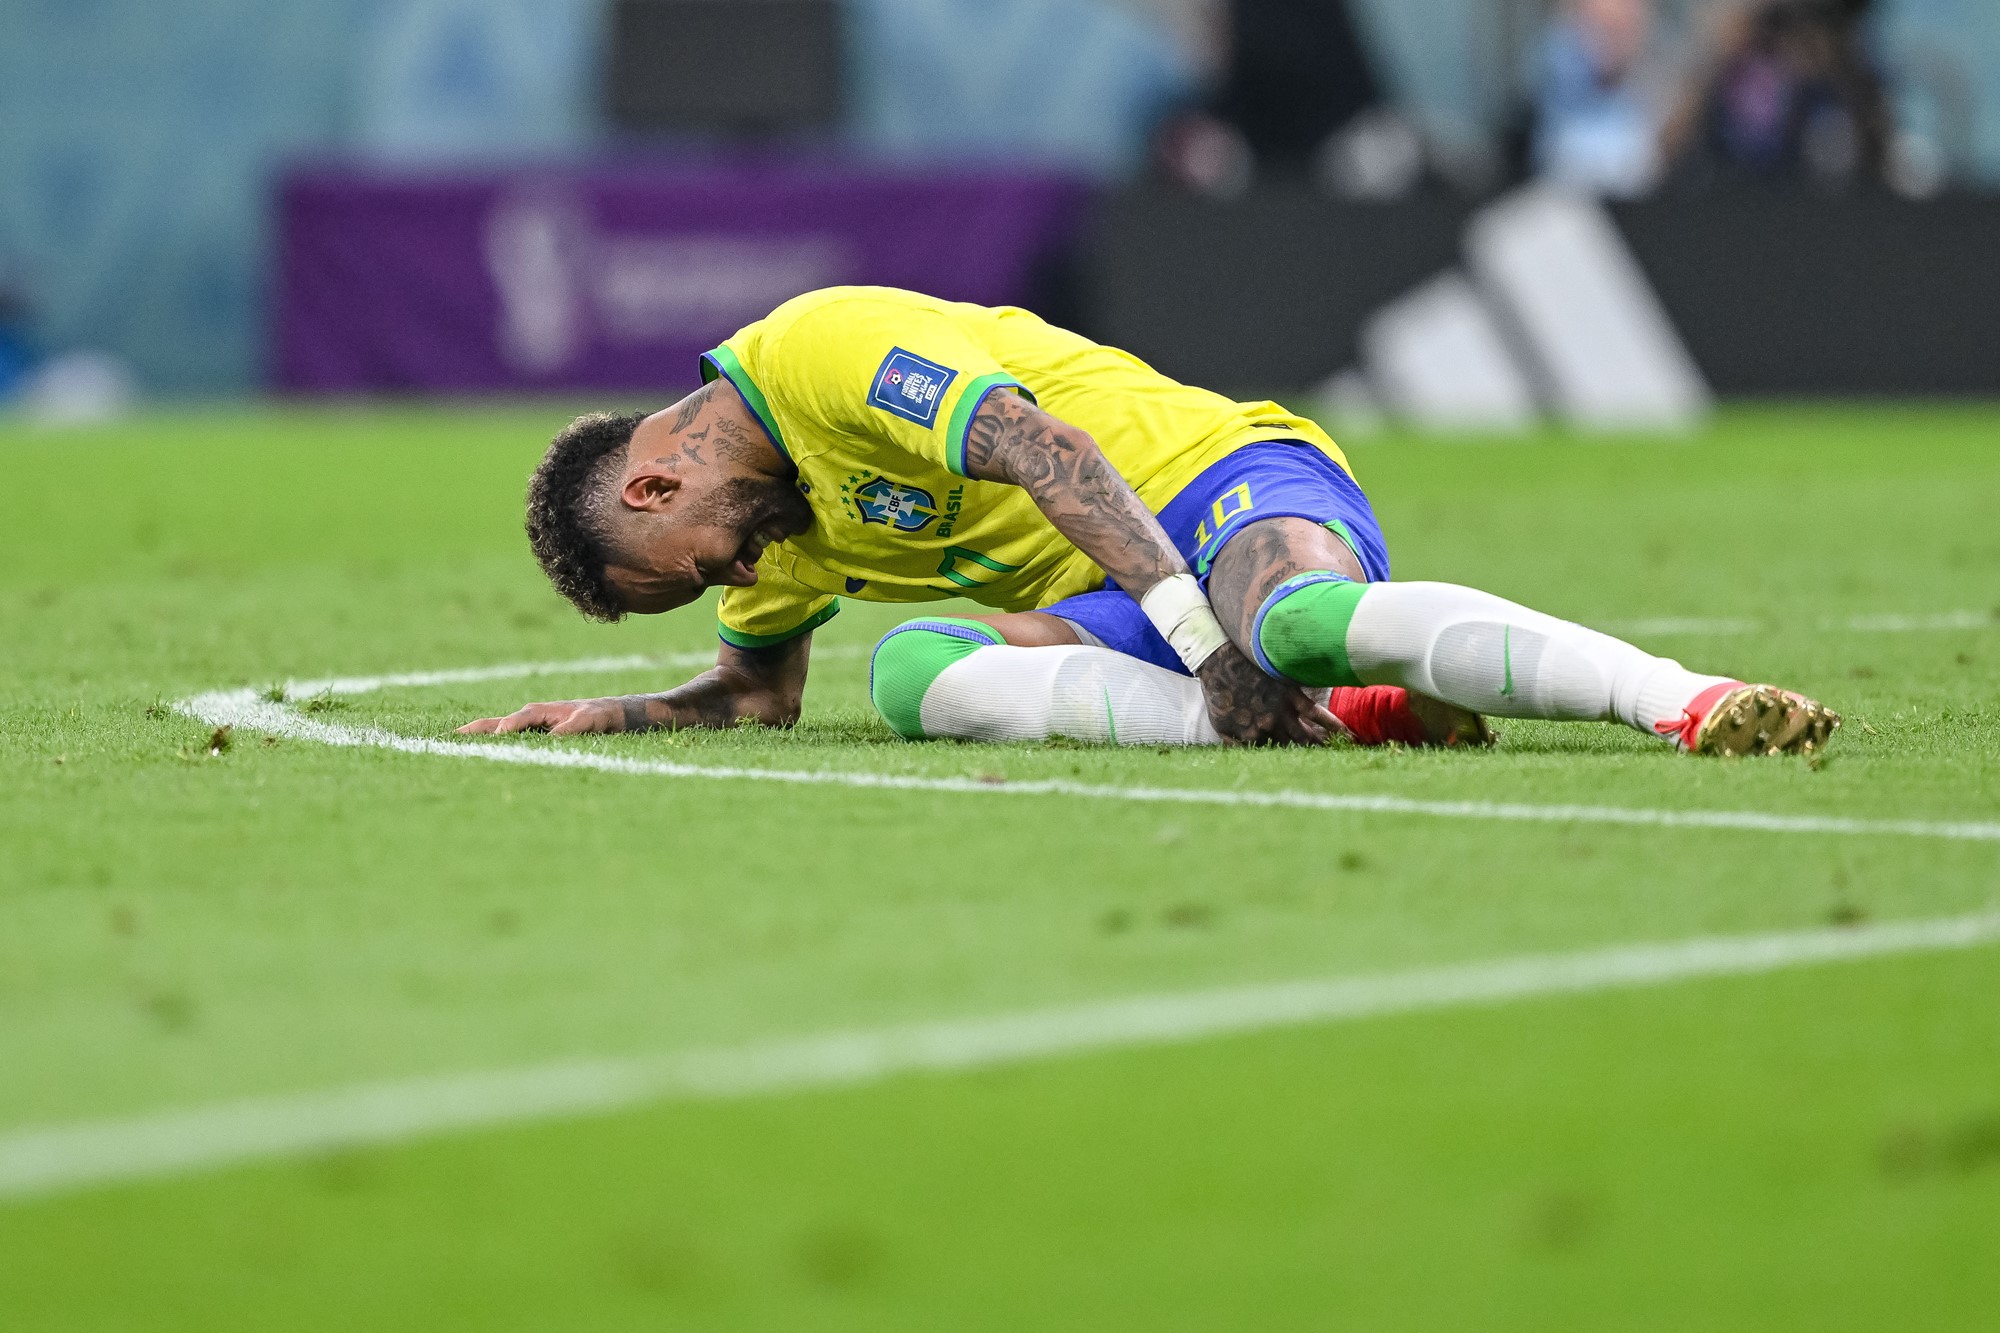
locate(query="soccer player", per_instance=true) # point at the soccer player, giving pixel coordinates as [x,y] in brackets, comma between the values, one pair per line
[1169,567]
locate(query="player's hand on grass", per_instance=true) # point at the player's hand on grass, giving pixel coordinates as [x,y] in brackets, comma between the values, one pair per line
[1251,708]
[570,717]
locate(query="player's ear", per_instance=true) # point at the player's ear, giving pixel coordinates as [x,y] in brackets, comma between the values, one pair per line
[649,489]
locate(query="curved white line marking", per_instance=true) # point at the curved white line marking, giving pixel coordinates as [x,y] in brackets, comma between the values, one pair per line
[61,1158]
[1680,625]
[252,711]
[581,666]
[1906,624]
[1876,624]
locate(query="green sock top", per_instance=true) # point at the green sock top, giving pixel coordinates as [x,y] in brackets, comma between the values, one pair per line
[1300,632]
[910,657]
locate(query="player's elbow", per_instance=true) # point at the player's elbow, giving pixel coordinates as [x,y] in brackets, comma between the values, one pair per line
[770,710]
[765,698]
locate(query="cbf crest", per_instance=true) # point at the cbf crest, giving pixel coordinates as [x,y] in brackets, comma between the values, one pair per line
[879,500]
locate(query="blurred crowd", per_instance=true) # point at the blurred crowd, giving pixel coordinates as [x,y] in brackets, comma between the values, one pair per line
[1620,97]
[1772,90]
[142,154]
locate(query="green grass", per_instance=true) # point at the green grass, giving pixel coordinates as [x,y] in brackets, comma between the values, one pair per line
[1813,1150]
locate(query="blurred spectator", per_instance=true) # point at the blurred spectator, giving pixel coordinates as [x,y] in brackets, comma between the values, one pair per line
[1792,92]
[1601,98]
[1294,75]
[1200,28]
[16,351]
[1298,72]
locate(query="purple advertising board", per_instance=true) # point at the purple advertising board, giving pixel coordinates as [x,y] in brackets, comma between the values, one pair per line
[618,277]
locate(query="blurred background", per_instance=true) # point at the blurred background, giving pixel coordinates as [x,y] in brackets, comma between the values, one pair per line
[1453,212]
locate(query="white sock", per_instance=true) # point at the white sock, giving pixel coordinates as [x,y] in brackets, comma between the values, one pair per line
[1493,656]
[1003,693]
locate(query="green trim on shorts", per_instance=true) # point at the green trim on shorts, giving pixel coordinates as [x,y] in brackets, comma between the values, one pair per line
[1339,528]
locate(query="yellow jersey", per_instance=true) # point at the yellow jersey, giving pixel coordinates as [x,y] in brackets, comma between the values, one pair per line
[868,391]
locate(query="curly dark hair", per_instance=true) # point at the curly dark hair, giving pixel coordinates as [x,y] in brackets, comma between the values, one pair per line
[569,501]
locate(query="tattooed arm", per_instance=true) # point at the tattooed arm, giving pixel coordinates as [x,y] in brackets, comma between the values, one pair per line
[764,686]
[1013,441]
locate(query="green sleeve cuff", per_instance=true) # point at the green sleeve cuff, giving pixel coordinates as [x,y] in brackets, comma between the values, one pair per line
[968,406]
[738,639]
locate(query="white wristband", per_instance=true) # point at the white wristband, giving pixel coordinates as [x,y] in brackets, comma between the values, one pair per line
[1180,611]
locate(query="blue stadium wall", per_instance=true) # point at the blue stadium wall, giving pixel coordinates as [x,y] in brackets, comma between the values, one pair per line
[139,138]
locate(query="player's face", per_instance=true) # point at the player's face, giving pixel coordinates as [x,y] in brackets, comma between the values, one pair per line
[709,533]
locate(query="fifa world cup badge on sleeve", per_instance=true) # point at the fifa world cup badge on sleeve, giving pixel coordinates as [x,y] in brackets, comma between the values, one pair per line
[910,387]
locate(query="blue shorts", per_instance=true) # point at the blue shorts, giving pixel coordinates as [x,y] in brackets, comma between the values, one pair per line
[1259,481]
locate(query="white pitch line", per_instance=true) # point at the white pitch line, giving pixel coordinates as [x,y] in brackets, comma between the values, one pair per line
[344,685]
[582,666]
[1876,624]
[63,1158]
[250,711]
[1681,625]
[1900,624]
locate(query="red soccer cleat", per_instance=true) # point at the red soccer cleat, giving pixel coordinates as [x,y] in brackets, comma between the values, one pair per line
[1379,714]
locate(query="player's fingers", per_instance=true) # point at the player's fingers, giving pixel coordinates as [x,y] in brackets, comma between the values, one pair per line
[485,726]
[1279,724]
[1297,724]
[1295,698]
[1304,729]
[1325,717]
[535,717]
[582,720]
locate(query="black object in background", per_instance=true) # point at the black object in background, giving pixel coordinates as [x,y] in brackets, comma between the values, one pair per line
[1257,295]
[1299,72]
[1775,293]
[1783,293]
[733,67]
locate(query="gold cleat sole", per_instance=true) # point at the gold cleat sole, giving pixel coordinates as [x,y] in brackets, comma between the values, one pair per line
[1448,724]
[1762,719]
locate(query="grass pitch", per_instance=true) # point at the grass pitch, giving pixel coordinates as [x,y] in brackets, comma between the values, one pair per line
[1815,1149]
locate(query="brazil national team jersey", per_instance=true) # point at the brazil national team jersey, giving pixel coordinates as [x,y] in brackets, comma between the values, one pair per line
[869,391]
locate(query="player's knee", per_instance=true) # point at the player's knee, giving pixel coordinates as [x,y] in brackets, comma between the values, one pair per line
[913,655]
[1300,631]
